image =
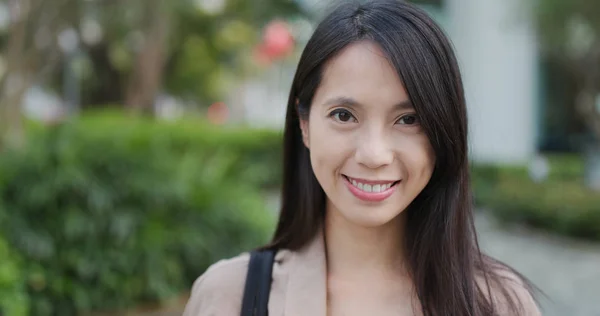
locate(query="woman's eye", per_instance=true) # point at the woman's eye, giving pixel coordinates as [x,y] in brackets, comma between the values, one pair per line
[410,119]
[342,116]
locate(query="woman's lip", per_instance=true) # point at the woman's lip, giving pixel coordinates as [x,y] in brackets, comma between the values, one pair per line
[371,182]
[369,196]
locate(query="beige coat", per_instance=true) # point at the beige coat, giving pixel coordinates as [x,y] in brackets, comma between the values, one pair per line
[298,288]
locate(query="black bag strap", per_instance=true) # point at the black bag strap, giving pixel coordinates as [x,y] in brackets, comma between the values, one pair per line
[258,283]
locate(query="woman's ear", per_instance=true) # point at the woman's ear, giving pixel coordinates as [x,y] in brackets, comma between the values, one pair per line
[303,126]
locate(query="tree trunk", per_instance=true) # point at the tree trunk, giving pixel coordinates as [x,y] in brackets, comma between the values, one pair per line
[16,80]
[146,77]
[587,108]
[11,121]
[26,62]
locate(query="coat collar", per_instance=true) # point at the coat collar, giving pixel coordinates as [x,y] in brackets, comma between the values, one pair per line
[307,283]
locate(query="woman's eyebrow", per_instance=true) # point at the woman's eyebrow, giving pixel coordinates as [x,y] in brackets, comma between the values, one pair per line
[347,101]
[404,105]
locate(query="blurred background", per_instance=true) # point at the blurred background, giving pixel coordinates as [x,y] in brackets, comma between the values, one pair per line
[140,141]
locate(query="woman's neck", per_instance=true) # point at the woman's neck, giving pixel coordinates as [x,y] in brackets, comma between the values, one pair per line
[356,250]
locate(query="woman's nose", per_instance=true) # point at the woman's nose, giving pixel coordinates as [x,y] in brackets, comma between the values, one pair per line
[374,149]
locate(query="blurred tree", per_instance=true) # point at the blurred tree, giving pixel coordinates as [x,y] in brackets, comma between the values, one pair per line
[187,48]
[128,51]
[570,34]
[145,78]
[31,49]
[215,45]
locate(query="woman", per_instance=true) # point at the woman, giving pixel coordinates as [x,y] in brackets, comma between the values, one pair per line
[376,214]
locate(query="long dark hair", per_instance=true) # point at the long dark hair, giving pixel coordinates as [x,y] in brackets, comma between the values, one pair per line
[444,257]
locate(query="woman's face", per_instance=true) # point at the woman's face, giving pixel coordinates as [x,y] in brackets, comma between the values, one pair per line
[367,147]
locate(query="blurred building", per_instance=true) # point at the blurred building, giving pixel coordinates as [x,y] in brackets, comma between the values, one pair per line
[497,51]
[506,80]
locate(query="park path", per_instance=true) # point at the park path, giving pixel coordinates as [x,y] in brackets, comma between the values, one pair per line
[567,271]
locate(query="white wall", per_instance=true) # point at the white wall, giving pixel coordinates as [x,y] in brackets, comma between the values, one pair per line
[498,56]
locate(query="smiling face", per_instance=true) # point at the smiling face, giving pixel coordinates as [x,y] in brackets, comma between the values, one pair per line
[367,148]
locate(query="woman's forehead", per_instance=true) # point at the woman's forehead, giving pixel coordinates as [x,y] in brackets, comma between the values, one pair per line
[361,72]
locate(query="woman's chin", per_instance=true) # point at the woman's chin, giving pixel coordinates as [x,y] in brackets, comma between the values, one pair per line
[370,217]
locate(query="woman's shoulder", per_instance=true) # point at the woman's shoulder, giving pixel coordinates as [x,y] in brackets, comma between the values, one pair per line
[219,290]
[510,292]
[223,274]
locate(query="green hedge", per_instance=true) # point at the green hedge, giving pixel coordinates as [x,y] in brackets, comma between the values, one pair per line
[561,203]
[110,212]
[255,154]
[563,207]
[14,300]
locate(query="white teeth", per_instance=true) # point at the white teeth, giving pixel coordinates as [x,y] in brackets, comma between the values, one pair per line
[376,188]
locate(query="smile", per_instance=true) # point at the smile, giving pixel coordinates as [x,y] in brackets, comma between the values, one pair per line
[372,191]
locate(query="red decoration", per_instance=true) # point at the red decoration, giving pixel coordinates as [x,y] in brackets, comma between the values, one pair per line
[218,113]
[277,42]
